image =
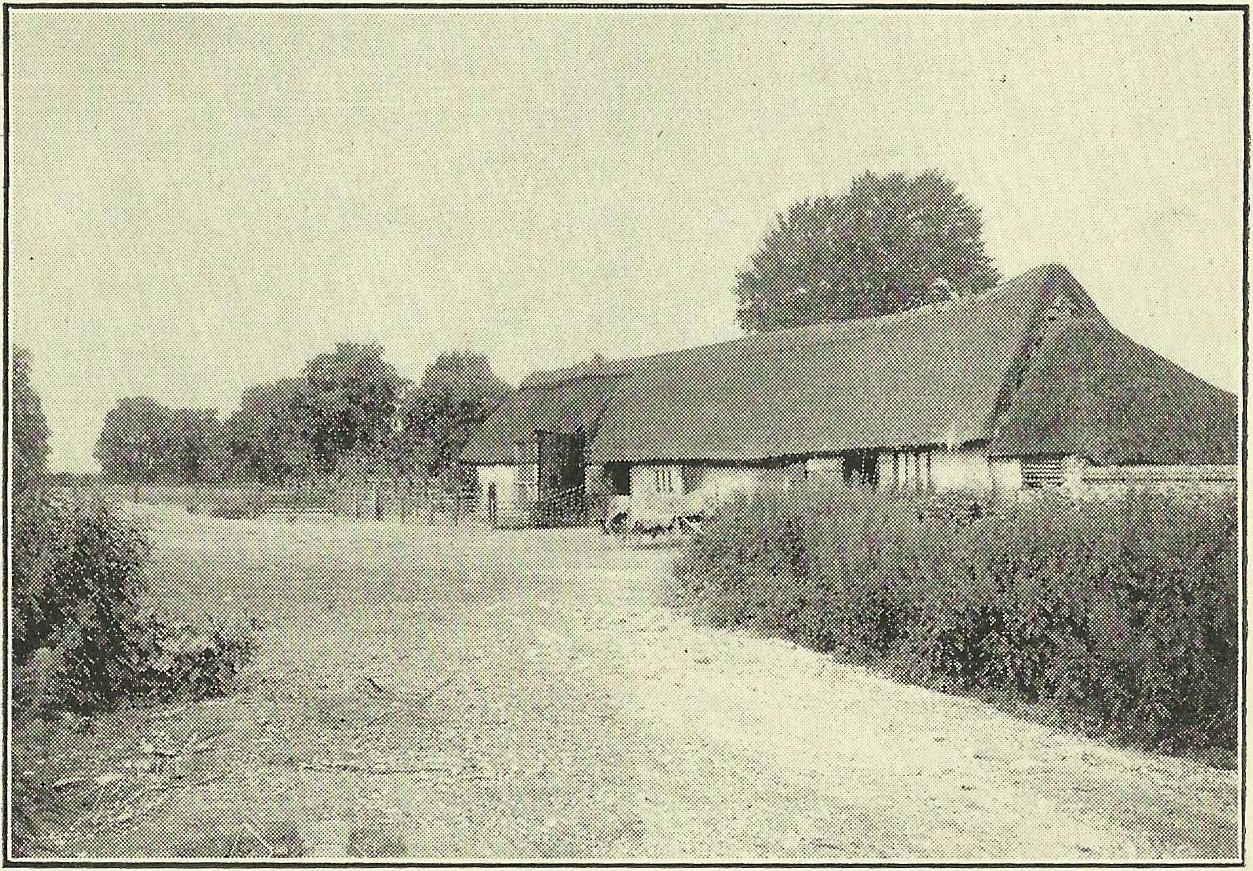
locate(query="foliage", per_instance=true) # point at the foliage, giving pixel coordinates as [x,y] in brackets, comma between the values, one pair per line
[144,440]
[890,243]
[350,403]
[81,638]
[1119,617]
[266,436]
[457,392]
[30,427]
[349,413]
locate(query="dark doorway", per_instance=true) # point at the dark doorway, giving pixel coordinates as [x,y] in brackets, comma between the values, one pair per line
[560,463]
[861,469]
[562,496]
[619,475]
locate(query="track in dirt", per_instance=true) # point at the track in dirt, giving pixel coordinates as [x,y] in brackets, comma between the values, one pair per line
[475,694]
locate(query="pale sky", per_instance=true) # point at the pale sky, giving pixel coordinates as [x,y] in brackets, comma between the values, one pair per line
[203,200]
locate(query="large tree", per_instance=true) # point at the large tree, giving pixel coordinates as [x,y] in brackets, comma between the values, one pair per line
[197,445]
[266,435]
[890,243]
[143,440]
[350,406]
[30,427]
[133,440]
[457,392]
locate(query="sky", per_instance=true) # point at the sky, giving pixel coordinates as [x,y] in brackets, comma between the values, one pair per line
[204,200]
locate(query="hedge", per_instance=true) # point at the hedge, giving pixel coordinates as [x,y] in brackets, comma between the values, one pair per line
[82,637]
[1118,618]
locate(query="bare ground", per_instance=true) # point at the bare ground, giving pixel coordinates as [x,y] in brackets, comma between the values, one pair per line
[467,694]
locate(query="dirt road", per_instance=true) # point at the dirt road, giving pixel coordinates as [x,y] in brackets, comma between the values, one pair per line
[508,695]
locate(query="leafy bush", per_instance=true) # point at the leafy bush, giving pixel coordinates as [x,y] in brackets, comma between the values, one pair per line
[1120,617]
[81,639]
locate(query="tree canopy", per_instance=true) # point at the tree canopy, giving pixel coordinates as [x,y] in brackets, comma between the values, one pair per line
[266,435]
[457,392]
[350,405]
[30,427]
[890,243]
[145,440]
[349,412]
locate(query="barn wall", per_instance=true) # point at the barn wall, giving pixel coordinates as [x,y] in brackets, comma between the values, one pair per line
[1115,481]
[696,488]
[514,497]
[825,469]
[596,479]
[886,474]
[701,488]
[1007,474]
[961,469]
[647,502]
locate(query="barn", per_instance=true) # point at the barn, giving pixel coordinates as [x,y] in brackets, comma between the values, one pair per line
[1023,386]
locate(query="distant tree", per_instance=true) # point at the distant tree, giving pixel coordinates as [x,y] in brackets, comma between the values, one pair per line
[133,440]
[350,406]
[197,445]
[265,436]
[30,428]
[892,242]
[143,440]
[457,392]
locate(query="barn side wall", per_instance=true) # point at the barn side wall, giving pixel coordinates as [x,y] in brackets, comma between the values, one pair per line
[1114,481]
[515,497]
[696,488]
[1006,474]
[964,469]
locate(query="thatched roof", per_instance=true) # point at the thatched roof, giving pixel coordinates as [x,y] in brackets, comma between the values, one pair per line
[941,374]
[1093,392]
[565,405]
[930,375]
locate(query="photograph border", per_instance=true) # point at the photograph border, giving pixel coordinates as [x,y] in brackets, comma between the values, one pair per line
[612,8]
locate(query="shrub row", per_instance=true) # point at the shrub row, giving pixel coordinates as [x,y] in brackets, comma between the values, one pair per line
[1118,617]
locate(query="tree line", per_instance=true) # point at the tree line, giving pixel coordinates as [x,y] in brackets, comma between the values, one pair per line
[348,412]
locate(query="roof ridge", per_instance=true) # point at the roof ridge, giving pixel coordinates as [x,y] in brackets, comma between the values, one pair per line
[823,330]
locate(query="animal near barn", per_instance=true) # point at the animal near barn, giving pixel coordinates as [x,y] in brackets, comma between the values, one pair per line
[1023,386]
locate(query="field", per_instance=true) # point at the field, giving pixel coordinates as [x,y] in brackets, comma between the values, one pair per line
[463,693]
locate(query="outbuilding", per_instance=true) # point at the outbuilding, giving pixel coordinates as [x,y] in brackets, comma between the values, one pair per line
[1025,385]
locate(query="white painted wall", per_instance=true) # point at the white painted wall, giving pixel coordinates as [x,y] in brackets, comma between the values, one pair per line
[961,469]
[1006,474]
[514,496]
[697,488]
[825,466]
[648,503]
[886,462]
[703,488]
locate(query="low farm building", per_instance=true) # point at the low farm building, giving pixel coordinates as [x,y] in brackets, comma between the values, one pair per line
[1025,385]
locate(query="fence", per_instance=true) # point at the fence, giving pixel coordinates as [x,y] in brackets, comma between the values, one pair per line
[416,501]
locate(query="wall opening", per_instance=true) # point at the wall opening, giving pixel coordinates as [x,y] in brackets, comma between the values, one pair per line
[1040,472]
[619,477]
[861,469]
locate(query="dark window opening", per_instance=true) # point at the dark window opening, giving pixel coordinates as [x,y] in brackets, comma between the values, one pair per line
[1039,472]
[861,469]
[619,475]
